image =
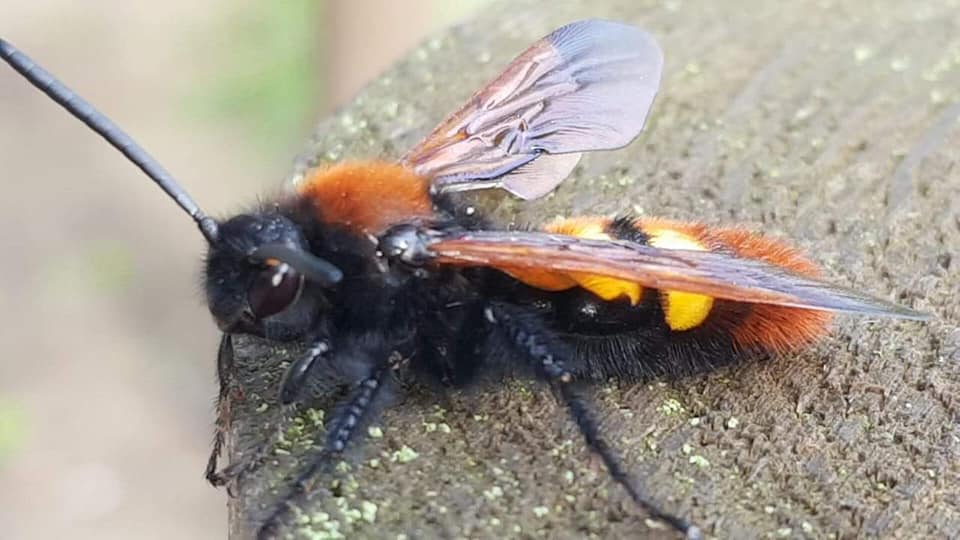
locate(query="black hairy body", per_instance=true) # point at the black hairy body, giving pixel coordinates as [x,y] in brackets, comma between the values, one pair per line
[455,328]
[434,318]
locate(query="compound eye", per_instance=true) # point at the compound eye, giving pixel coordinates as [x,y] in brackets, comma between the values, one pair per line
[274,290]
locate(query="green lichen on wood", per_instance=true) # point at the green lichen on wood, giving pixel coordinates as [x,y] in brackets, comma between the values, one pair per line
[831,123]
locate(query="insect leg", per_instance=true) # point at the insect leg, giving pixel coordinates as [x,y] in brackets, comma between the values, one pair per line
[225,374]
[548,357]
[291,390]
[350,414]
[297,375]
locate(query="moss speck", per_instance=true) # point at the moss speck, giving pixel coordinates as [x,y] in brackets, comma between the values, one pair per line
[404,455]
[319,526]
[671,407]
[350,515]
[315,417]
[493,493]
[368,511]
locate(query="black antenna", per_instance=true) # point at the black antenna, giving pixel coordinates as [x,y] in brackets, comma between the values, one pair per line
[312,267]
[93,118]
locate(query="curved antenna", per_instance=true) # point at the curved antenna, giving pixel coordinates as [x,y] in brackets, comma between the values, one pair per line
[86,113]
[312,267]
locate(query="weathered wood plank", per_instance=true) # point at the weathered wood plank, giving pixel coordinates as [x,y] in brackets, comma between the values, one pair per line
[832,123]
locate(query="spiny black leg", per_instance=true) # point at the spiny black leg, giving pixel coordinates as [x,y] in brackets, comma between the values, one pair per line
[353,411]
[297,375]
[225,377]
[547,357]
[584,418]
[350,414]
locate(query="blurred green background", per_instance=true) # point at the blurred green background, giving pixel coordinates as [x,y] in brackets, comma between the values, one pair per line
[107,370]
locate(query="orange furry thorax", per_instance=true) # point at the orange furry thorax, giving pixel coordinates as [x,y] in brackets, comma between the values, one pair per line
[366,197]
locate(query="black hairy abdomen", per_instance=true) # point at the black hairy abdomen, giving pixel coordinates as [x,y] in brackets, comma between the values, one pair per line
[617,340]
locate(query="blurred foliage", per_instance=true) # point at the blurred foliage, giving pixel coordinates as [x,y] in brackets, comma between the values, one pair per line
[12,429]
[451,12]
[270,73]
[101,267]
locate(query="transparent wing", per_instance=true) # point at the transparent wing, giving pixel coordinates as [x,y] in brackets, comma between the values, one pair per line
[703,272]
[587,86]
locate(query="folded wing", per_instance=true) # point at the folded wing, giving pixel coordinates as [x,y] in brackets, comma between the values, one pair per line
[703,272]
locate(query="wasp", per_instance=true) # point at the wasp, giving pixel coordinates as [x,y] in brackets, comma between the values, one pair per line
[383,273]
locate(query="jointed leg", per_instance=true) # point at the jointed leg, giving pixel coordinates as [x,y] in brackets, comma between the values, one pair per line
[297,375]
[225,378]
[291,390]
[547,357]
[350,414]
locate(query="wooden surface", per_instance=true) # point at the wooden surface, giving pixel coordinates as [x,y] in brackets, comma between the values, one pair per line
[834,124]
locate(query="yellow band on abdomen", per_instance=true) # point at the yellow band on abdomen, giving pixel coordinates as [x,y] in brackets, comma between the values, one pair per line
[682,310]
[606,288]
